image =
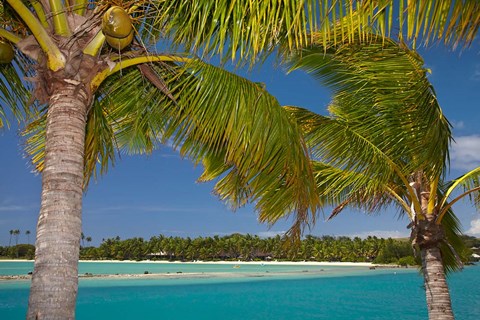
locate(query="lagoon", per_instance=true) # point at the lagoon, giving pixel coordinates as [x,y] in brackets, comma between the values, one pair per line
[250,292]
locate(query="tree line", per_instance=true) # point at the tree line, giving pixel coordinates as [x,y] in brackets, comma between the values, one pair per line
[249,248]
[254,248]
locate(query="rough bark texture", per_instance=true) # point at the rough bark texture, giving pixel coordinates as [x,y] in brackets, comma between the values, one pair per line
[428,235]
[55,277]
[436,289]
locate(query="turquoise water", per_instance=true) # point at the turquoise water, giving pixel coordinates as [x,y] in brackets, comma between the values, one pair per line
[336,293]
[22,268]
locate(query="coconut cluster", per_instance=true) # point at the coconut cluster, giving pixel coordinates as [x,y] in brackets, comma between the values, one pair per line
[117,27]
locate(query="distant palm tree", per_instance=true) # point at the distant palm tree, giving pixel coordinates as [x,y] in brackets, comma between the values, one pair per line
[82,237]
[10,239]
[27,233]
[16,233]
[88,239]
[385,143]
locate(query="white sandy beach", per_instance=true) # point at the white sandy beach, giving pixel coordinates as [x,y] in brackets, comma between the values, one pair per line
[298,263]
[175,275]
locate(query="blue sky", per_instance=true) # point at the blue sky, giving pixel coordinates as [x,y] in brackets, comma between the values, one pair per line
[146,196]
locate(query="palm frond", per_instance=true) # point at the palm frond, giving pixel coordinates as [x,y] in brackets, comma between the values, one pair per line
[469,182]
[100,143]
[9,20]
[247,141]
[128,116]
[247,29]
[453,244]
[15,91]
[231,28]
[345,188]
[384,84]
[451,21]
[34,133]
[244,137]
[351,147]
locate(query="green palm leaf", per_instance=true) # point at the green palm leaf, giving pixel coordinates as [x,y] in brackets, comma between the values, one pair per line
[234,28]
[247,140]
[383,84]
[453,243]
[15,92]
[340,145]
[128,116]
[469,182]
[343,188]
[248,29]
[238,130]
[453,232]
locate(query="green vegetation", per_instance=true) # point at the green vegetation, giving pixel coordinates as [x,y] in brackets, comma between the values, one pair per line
[19,251]
[250,248]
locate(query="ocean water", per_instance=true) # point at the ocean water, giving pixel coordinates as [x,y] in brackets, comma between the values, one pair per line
[295,292]
[105,268]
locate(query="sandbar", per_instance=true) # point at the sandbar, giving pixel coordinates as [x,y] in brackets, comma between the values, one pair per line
[196,275]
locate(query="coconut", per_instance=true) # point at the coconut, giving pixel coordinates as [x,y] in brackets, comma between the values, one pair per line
[6,52]
[119,43]
[116,23]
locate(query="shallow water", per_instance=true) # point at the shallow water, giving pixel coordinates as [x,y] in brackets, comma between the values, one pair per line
[337,293]
[103,268]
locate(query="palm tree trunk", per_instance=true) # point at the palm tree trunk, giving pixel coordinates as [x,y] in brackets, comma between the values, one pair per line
[436,289]
[55,277]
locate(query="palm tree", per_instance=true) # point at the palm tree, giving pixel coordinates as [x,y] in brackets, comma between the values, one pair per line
[99,86]
[82,238]
[10,239]
[385,143]
[27,233]
[16,233]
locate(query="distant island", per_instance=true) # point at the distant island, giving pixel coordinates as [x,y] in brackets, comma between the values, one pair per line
[239,247]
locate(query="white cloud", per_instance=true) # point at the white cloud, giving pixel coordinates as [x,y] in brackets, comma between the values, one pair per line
[17,208]
[476,73]
[142,208]
[458,124]
[474,227]
[11,208]
[381,234]
[270,234]
[166,155]
[465,152]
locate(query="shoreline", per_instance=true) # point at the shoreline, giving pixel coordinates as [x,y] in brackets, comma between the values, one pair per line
[197,275]
[298,263]
[179,275]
